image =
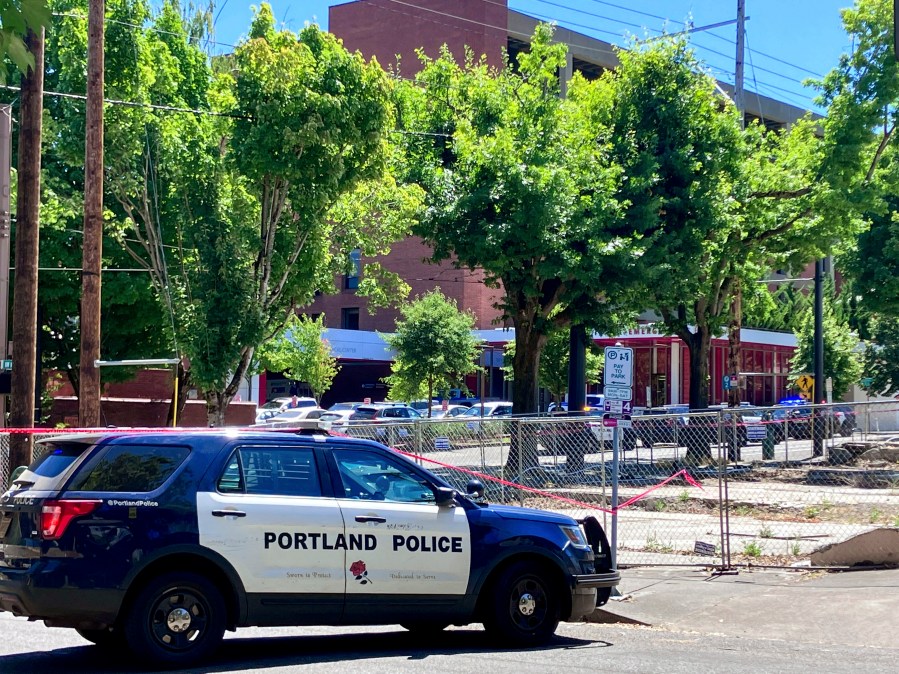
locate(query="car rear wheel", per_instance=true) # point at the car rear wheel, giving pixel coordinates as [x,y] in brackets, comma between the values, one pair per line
[524,608]
[178,619]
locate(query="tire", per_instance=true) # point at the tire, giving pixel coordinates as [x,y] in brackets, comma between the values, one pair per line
[110,639]
[522,609]
[176,620]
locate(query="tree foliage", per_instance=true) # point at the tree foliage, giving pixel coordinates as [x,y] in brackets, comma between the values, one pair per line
[881,359]
[519,184]
[302,353]
[434,348]
[842,361]
[17,17]
[241,199]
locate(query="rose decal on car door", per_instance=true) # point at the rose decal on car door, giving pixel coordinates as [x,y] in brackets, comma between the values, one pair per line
[359,572]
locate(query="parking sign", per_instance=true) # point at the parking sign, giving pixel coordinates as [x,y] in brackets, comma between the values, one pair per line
[619,366]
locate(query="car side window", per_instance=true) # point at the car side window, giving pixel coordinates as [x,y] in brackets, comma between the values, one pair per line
[273,471]
[370,476]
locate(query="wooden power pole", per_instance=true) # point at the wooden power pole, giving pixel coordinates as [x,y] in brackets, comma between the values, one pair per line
[92,257]
[734,346]
[24,328]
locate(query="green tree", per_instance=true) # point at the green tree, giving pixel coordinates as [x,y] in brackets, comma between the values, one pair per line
[17,17]
[842,361]
[245,199]
[874,265]
[302,353]
[518,186]
[881,359]
[554,363]
[434,348]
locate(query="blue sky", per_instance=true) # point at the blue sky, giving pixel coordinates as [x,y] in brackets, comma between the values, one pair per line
[789,40]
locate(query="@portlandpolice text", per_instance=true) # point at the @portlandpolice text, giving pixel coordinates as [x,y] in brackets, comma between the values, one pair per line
[296,540]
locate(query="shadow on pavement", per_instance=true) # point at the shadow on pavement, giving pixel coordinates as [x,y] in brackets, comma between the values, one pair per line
[237,654]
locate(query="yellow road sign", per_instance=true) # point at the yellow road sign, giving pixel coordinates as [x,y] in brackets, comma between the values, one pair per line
[806,384]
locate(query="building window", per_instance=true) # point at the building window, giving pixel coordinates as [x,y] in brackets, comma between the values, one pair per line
[351,280]
[349,318]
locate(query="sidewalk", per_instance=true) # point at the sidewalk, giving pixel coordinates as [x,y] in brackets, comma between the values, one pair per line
[856,608]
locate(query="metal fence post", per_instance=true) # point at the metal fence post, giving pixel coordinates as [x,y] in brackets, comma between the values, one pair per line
[520,458]
[616,446]
[419,449]
[723,511]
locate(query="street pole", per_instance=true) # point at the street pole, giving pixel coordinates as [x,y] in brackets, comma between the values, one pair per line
[5,223]
[23,381]
[734,346]
[577,370]
[818,443]
[616,446]
[89,384]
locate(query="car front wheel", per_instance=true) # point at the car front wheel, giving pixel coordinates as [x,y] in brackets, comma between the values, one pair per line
[178,619]
[524,608]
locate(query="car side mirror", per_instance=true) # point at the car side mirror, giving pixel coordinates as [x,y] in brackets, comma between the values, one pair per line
[445,496]
[475,488]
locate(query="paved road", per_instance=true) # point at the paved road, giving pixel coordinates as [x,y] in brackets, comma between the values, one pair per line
[28,647]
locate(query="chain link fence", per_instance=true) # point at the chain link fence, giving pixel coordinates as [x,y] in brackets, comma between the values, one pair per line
[721,487]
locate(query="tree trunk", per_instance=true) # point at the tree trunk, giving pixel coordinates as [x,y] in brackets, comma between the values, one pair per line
[528,345]
[24,353]
[216,406]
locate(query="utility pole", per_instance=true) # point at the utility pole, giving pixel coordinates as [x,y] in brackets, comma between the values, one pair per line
[5,224]
[92,256]
[818,440]
[734,346]
[24,329]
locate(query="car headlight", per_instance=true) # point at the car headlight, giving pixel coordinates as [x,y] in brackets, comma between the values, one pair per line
[575,535]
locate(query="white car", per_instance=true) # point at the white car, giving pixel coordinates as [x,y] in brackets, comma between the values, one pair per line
[451,412]
[295,414]
[338,418]
[492,410]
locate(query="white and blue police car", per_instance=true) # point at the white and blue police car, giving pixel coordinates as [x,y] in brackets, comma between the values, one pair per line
[160,542]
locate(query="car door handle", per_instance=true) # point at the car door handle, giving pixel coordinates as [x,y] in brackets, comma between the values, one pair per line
[228,513]
[371,518]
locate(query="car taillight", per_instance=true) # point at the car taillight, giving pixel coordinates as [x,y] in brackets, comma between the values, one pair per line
[57,514]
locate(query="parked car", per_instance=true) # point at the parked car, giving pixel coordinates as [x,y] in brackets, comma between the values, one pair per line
[341,407]
[152,545]
[338,419]
[275,407]
[372,421]
[270,409]
[594,402]
[800,422]
[660,425]
[296,414]
[451,412]
[491,410]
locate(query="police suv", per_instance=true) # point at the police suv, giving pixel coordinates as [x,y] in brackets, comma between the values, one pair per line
[162,541]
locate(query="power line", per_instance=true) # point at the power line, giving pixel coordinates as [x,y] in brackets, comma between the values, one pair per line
[134,104]
[720,37]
